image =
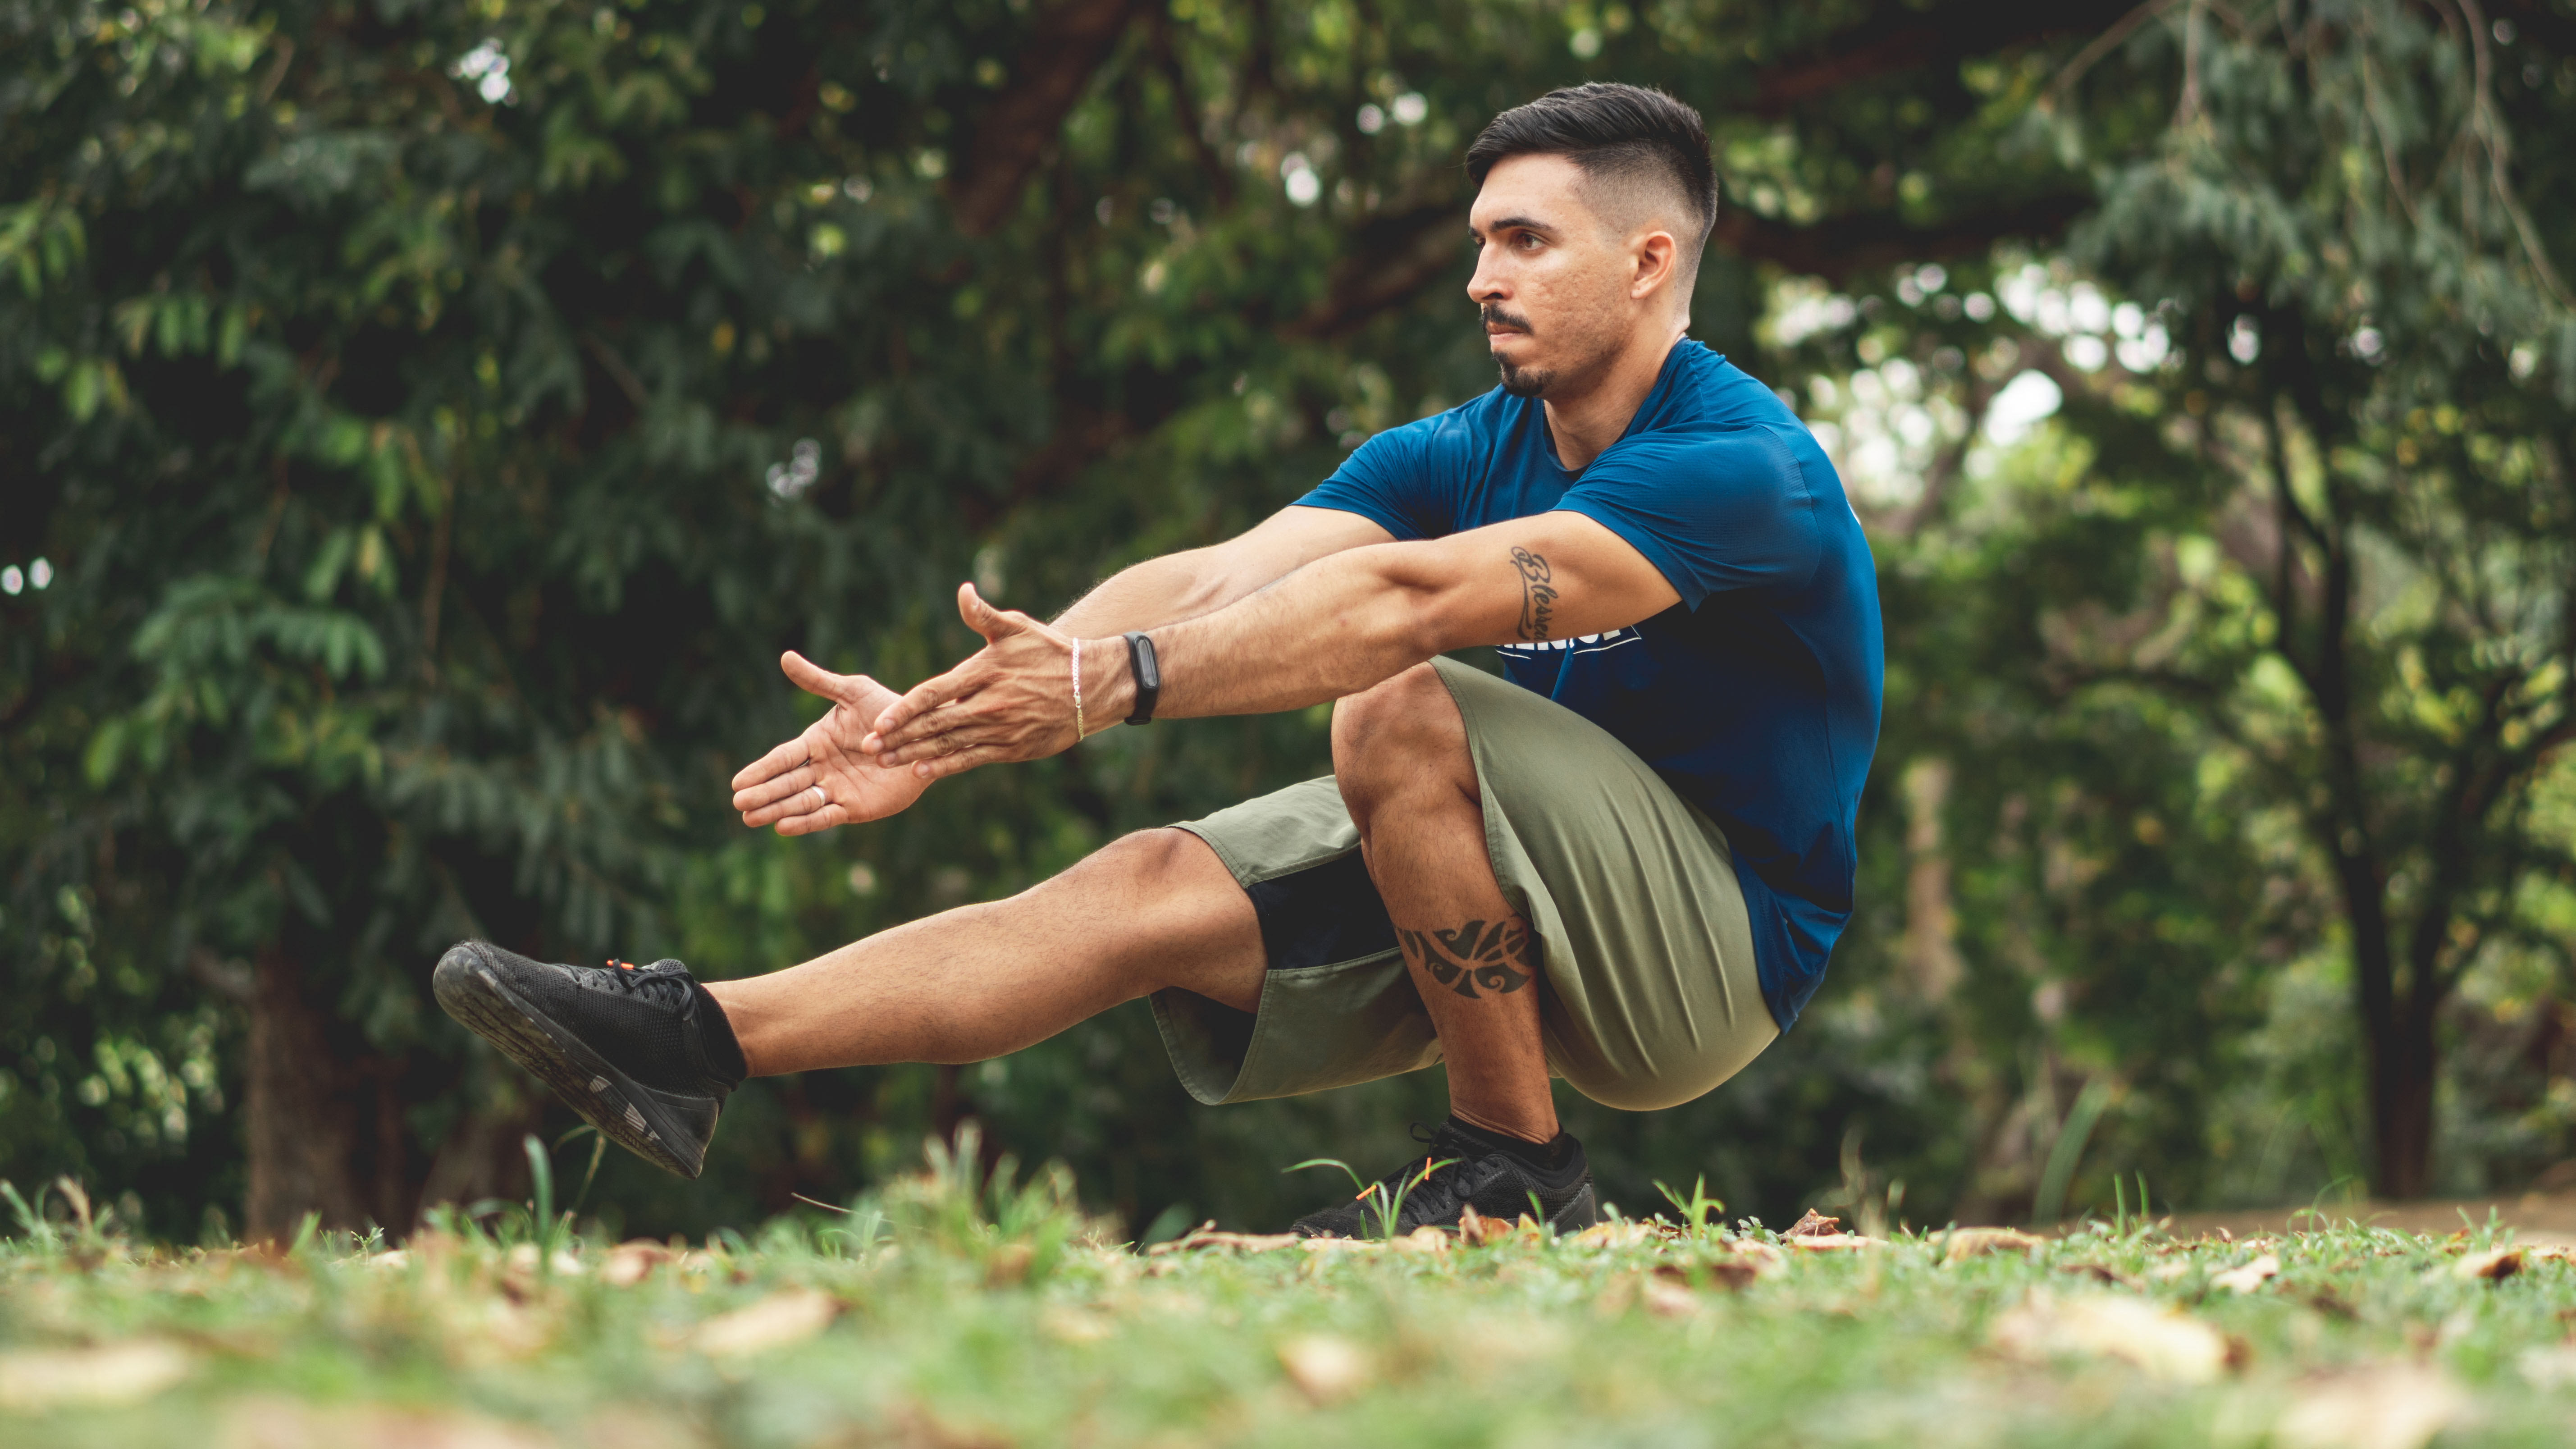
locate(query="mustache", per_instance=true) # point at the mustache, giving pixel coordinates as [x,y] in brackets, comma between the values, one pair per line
[1492,315]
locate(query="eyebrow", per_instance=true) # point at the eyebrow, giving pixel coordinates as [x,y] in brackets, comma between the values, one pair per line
[1508,223]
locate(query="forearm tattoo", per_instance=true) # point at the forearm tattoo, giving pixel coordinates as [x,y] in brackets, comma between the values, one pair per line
[1501,957]
[1538,595]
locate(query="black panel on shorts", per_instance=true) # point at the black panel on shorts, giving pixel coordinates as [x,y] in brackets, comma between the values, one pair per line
[1322,914]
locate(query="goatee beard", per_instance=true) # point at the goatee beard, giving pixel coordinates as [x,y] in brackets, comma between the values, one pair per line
[1518,381]
[1524,381]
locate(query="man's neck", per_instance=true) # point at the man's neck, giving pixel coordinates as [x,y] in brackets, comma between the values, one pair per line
[1586,423]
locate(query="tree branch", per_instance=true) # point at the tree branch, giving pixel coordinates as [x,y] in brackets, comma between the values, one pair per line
[1070,42]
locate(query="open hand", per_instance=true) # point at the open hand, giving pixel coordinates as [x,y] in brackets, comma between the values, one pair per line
[1012,700]
[824,777]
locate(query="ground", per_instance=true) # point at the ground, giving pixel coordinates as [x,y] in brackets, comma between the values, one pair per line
[952,1312]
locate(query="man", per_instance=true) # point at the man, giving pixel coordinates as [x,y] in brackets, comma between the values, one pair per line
[1624,867]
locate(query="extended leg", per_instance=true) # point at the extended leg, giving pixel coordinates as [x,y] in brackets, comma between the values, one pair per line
[1400,755]
[1153,910]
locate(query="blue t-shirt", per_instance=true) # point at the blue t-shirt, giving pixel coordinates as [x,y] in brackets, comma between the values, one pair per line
[1757,696]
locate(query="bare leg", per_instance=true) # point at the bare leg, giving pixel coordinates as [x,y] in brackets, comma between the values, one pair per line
[1155,909]
[1400,754]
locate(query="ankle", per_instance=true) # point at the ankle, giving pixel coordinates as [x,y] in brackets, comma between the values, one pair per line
[727,1046]
[1521,1127]
[1552,1157]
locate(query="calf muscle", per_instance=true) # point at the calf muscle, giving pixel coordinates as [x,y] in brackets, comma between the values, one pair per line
[1151,911]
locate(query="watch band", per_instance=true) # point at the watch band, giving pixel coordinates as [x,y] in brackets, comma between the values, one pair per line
[1148,675]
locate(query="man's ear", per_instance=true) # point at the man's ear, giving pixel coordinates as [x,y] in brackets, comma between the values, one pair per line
[1655,257]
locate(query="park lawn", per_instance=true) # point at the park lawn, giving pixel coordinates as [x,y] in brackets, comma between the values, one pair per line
[942,1317]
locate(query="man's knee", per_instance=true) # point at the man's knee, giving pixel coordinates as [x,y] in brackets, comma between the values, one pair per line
[1145,857]
[1403,732]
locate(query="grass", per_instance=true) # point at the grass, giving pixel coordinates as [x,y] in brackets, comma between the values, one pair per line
[963,1309]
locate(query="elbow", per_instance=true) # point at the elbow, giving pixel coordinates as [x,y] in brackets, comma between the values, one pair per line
[1427,615]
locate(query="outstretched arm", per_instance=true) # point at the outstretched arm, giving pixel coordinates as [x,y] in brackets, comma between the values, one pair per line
[827,776]
[1331,629]
[1200,581]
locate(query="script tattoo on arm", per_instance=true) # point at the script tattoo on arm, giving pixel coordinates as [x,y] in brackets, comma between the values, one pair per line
[1538,595]
[1501,957]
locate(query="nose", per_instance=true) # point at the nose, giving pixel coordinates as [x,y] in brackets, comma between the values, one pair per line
[1487,284]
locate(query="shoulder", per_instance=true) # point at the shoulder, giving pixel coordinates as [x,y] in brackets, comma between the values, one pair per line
[1757,459]
[1445,438]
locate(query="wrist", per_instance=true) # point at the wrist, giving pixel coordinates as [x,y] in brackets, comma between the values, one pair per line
[1113,696]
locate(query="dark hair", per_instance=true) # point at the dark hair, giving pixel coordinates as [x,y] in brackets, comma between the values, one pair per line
[1615,132]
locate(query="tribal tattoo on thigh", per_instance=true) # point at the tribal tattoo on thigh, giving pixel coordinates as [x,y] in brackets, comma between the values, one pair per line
[1501,957]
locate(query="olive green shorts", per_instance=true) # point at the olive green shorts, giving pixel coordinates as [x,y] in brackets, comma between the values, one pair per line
[1650,997]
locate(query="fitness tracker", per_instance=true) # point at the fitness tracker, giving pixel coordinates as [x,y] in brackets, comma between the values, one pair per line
[1149,677]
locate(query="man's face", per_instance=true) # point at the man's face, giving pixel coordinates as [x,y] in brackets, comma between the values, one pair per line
[1552,280]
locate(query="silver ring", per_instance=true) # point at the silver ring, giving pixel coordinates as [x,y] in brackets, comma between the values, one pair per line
[820,799]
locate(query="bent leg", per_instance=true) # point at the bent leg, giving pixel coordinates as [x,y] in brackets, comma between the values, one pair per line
[1153,910]
[1400,754]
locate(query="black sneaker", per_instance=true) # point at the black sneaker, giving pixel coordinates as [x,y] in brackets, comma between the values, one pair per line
[641,1052]
[1464,1172]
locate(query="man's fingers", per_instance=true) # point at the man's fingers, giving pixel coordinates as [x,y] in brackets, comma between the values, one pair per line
[926,696]
[811,677]
[777,762]
[960,762]
[776,790]
[947,731]
[814,820]
[984,619]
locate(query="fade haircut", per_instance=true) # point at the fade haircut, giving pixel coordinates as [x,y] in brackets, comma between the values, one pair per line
[1624,139]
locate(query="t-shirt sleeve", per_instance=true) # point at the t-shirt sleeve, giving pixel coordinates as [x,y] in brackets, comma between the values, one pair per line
[1713,512]
[1402,480]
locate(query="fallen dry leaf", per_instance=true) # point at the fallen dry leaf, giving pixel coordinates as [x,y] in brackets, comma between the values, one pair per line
[1835,1242]
[2101,1273]
[1977,1242]
[1616,1233]
[1207,1236]
[1324,1368]
[1815,1225]
[2388,1406]
[1764,1257]
[1008,1265]
[523,1259]
[274,1423]
[2246,1277]
[790,1315]
[1735,1274]
[1665,1297]
[1668,1293]
[631,1262]
[1479,1231]
[2162,1342]
[1336,1245]
[1424,1239]
[2493,1265]
[35,1380]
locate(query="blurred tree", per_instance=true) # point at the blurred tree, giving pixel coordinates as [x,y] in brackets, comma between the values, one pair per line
[2314,513]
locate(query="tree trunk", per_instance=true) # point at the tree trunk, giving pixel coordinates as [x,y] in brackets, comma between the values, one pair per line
[302,1112]
[2401,1102]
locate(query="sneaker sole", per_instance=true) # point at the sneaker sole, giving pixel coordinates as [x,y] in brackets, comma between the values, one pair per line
[624,1110]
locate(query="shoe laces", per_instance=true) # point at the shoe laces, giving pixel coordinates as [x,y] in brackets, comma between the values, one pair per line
[1422,1188]
[664,983]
